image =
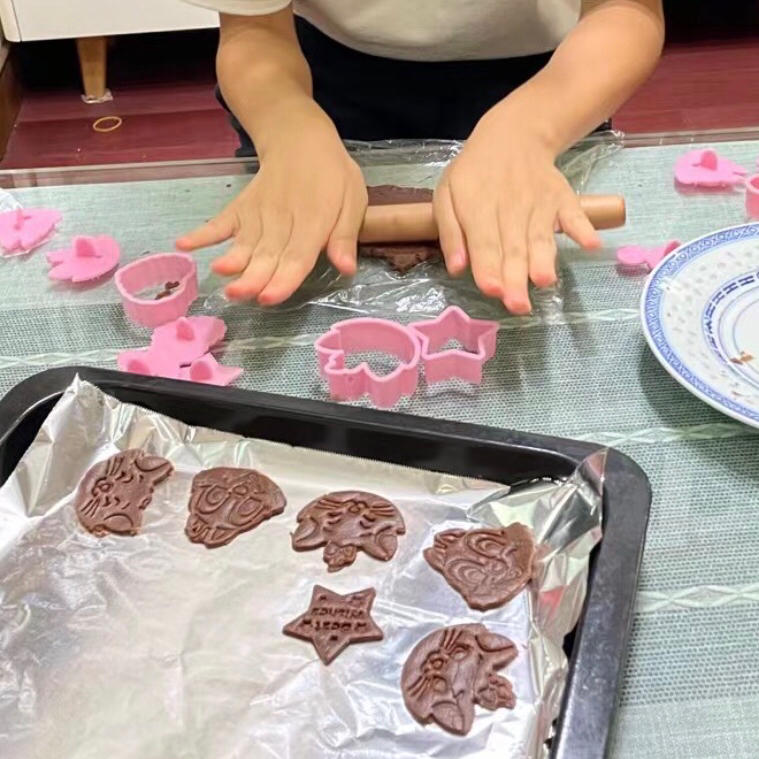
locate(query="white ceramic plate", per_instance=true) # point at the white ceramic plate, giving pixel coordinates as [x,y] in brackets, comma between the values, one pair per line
[700,314]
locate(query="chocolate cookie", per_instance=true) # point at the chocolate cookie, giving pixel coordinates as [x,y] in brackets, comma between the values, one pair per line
[225,502]
[487,566]
[347,521]
[115,492]
[332,622]
[451,670]
[400,256]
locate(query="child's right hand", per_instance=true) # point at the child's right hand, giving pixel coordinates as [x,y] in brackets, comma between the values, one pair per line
[309,195]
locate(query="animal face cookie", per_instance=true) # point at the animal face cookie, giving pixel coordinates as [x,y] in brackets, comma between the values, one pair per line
[115,492]
[347,521]
[225,502]
[488,567]
[451,670]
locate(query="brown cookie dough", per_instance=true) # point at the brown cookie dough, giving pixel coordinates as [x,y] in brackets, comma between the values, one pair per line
[332,621]
[347,521]
[488,567]
[225,502]
[400,256]
[115,492]
[451,670]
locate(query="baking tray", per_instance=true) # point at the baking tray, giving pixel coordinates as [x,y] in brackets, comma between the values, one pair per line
[596,649]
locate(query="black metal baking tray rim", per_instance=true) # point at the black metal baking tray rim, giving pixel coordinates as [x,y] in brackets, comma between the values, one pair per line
[600,639]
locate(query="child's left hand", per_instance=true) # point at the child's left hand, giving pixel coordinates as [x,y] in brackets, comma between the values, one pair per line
[497,207]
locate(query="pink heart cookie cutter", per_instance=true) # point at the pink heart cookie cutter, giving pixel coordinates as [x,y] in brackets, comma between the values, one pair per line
[637,257]
[476,336]
[87,259]
[154,271]
[705,168]
[24,229]
[362,335]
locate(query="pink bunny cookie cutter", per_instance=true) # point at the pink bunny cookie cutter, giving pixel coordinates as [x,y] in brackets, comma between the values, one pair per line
[88,258]
[360,336]
[24,229]
[154,271]
[637,258]
[476,336]
[704,168]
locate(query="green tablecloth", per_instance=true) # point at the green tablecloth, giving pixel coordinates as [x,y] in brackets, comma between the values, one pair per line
[579,367]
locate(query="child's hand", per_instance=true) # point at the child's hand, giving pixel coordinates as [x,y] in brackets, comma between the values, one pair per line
[307,196]
[497,206]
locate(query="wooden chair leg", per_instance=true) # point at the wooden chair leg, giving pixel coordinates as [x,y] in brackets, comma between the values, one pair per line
[92,61]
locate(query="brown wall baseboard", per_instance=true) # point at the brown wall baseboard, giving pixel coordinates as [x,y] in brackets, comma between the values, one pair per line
[10,100]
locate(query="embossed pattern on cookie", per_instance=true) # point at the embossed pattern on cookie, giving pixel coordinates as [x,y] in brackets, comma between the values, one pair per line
[333,621]
[488,566]
[346,522]
[115,492]
[451,670]
[226,501]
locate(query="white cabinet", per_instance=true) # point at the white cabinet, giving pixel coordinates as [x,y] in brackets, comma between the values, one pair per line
[24,20]
[90,22]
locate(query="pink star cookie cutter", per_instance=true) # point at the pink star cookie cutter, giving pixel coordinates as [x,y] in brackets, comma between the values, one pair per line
[87,259]
[155,271]
[704,168]
[24,229]
[632,258]
[476,336]
[363,335]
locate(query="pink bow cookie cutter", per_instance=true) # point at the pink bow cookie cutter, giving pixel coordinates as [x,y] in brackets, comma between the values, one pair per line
[24,229]
[476,336]
[362,335]
[638,257]
[704,168]
[155,271]
[87,259]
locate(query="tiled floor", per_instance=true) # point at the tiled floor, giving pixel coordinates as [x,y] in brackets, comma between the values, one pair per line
[706,80]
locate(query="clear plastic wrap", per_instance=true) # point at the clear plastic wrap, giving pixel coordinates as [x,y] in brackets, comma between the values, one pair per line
[426,289]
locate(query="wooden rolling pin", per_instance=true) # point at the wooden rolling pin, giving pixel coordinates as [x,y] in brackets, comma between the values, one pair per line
[415,222]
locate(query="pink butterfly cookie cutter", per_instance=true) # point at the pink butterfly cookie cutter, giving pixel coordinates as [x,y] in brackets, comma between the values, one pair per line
[153,271]
[24,229]
[87,259]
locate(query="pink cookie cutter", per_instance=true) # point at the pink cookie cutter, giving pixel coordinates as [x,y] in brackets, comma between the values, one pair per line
[704,168]
[155,271]
[363,335]
[632,257]
[188,338]
[88,258]
[23,229]
[752,196]
[206,369]
[477,337]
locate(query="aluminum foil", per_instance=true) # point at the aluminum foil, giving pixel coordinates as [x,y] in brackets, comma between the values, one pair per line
[152,647]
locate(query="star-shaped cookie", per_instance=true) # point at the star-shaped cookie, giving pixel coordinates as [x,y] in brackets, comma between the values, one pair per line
[332,621]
